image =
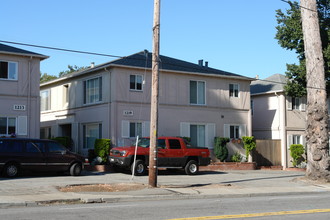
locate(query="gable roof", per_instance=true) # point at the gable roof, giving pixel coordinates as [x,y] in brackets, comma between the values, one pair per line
[143,60]
[5,49]
[274,83]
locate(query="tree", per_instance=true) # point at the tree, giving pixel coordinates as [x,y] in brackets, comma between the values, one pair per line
[72,69]
[45,77]
[290,36]
[318,161]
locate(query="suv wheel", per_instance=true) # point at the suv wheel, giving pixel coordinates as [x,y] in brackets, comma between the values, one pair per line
[75,169]
[140,168]
[11,170]
[191,168]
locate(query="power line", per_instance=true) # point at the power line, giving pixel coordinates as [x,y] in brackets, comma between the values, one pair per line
[121,57]
[61,49]
[290,3]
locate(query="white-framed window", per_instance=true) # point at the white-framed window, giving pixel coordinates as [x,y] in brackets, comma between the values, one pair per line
[131,129]
[295,139]
[46,133]
[135,129]
[233,90]
[234,131]
[91,132]
[252,107]
[295,103]
[135,82]
[197,135]
[197,92]
[65,94]
[8,126]
[45,100]
[201,134]
[8,70]
[93,90]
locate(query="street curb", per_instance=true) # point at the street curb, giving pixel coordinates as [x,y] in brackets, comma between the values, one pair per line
[176,196]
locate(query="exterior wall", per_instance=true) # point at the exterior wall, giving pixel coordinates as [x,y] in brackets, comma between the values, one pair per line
[120,106]
[23,92]
[266,116]
[274,118]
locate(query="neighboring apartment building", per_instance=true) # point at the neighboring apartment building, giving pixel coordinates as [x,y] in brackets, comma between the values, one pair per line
[112,100]
[277,116]
[19,92]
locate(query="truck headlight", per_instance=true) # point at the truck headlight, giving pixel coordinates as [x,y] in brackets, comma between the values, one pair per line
[122,153]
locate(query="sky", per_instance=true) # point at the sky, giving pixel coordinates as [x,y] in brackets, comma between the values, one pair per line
[237,36]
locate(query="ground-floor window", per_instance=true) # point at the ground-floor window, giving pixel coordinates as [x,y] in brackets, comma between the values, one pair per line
[46,133]
[131,129]
[200,134]
[234,131]
[91,132]
[197,135]
[8,126]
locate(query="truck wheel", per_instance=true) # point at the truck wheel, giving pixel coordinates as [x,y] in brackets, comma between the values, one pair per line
[140,168]
[191,167]
[11,170]
[75,169]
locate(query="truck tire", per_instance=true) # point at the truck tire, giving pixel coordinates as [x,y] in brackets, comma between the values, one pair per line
[75,169]
[11,170]
[140,168]
[191,167]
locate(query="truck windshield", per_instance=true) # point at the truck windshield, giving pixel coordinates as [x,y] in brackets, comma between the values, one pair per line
[144,142]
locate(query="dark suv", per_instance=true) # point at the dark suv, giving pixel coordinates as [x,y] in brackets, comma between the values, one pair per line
[37,155]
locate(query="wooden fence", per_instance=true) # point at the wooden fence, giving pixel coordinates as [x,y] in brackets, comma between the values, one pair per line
[267,153]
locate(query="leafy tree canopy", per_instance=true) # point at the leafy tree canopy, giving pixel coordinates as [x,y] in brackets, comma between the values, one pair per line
[290,36]
[72,69]
[45,77]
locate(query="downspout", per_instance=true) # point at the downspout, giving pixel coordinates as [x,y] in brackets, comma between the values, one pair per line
[110,131]
[29,99]
[282,129]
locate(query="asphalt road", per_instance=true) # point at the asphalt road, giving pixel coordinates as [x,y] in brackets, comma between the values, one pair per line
[302,207]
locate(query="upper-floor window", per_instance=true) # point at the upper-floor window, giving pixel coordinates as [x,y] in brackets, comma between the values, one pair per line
[45,100]
[93,90]
[295,103]
[8,70]
[7,125]
[233,90]
[135,82]
[197,92]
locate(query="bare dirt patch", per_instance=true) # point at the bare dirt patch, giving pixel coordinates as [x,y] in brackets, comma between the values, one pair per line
[119,187]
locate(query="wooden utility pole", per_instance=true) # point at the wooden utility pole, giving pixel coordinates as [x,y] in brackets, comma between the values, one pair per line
[154,98]
[317,112]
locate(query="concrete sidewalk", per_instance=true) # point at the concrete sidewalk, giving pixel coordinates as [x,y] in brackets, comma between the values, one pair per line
[39,190]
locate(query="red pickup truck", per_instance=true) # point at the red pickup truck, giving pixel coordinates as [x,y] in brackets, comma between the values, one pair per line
[173,152]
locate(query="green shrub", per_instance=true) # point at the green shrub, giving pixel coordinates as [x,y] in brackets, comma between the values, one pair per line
[102,149]
[220,149]
[237,157]
[65,141]
[296,152]
[249,145]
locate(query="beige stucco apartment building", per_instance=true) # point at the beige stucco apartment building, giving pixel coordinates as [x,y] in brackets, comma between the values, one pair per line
[19,92]
[112,100]
[277,116]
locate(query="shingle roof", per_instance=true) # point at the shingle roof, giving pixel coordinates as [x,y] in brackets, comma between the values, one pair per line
[17,51]
[273,83]
[144,60]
